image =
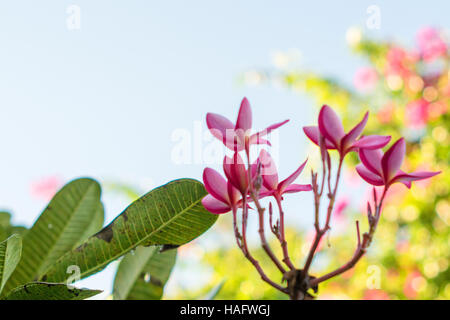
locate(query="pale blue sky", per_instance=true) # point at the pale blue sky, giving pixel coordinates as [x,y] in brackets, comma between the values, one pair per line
[103,101]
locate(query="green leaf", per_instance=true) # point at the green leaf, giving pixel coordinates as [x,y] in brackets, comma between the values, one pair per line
[58,230]
[143,273]
[171,214]
[96,224]
[10,251]
[49,291]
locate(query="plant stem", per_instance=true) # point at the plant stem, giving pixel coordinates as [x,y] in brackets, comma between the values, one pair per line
[321,231]
[361,247]
[282,238]
[255,263]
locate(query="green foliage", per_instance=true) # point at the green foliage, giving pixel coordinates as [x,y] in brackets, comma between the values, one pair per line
[10,251]
[73,211]
[169,215]
[49,291]
[143,273]
[67,234]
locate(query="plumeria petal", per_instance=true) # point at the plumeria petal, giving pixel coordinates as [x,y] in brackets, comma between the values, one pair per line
[215,206]
[369,176]
[413,176]
[330,125]
[215,184]
[312,132]
[393,159]
[297,188]
[256,139]
[244,119]
[372,160]
[235,172]
[350,137]
[372,142]
[267,130]
[233,194]
[283,184]
[219,126]
[269,170]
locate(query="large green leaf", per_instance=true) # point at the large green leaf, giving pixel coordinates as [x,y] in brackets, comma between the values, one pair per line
[169,215]
[59,229]
[49,291]
[96,225]
[143,273]
[10,251]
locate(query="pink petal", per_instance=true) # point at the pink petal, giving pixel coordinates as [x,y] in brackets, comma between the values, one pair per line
[297,188]
[372,160]
[413,176]
[369,176]
[393,159]
[312,132]
[215,206]
[219,126]
[244,119]
[372,142]
[269,170]
[233,193]
[286,182]
[235,171]
[256,139]
[216,185]
[271,128]
[330,125]
[350,137]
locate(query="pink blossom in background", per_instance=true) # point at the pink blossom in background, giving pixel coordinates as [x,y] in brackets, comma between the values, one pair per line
[386,113]
[374,294]
[417,114]
[412,284]
[365,79]
[340,206]
[431,44]
[46,188]
[399,62]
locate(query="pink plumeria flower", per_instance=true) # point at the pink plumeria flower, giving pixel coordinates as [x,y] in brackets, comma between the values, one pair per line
[222,196]
[270,178]
[238,136]
[380,169]
[331,128]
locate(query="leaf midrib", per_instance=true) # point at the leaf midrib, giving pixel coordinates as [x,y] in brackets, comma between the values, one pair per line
[93,184]
[106,262]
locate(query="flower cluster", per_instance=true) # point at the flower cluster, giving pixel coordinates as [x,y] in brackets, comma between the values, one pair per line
[226,195]
[249,181]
